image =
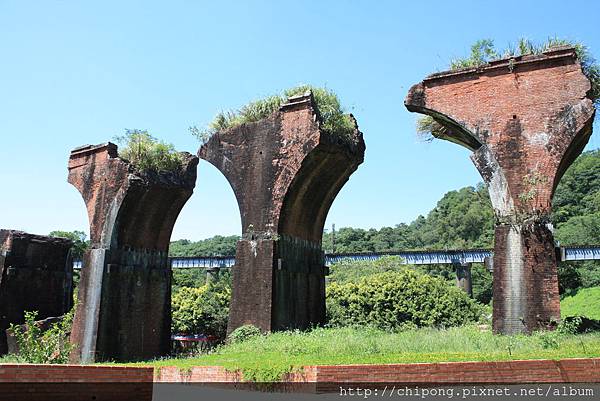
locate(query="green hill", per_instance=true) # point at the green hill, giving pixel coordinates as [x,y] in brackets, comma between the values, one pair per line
[585,303]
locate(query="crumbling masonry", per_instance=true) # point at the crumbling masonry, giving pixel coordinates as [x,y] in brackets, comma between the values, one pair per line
[36,274]
[124,298]
[285,173]
[525,119]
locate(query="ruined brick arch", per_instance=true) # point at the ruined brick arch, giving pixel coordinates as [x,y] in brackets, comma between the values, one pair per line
[531,116]
[285,173]
[146,220]
[312,192]
[124,310]
[458,133]
[572,152]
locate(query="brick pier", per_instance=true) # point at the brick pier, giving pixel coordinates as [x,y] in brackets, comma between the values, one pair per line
[285,172]
[526,119]
[124,299]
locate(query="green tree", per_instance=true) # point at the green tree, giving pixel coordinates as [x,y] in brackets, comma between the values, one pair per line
[399,299]
[201,310]
[214,246]
[80,242]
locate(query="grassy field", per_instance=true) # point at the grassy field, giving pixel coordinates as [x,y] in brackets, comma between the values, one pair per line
[267,358]
[585,303]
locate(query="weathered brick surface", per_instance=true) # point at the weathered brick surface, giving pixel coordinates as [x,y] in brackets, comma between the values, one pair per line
[327,378]
[526,119]
[36,274]
[30,382]
[74,382]
[285,172]
[124,308]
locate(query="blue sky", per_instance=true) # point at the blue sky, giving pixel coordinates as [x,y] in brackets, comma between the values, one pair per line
[74,73]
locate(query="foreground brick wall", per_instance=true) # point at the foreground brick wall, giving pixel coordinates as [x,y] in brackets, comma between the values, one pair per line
[328,378]
[285,172]
[36,274]
[124,308]
[525,119]
[74,382]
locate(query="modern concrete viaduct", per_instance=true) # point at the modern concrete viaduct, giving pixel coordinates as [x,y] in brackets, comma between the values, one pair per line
[525,119]
[285,172]
[36,274]
[124,299]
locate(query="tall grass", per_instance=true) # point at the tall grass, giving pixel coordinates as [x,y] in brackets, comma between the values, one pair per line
[269,357]
[483,51]
[147,153]
[333,119]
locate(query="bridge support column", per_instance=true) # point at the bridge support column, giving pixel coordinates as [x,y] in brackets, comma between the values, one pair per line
[212,274]
[124,298]
[525,119]
[463,277]
[285,172]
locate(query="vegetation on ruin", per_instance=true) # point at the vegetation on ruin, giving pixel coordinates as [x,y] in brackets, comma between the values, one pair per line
[333,119]
[37,346]
[148,154]
[268,357]
[483,51]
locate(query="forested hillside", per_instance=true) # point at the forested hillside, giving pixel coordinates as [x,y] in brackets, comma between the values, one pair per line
[214,246]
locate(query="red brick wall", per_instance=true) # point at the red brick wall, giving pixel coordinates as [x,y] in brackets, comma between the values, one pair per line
[456,373]
[74,382]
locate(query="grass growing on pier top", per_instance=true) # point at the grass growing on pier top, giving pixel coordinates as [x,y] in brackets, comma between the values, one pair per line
[334,121]
[483,51]
[147,153]
[267,358]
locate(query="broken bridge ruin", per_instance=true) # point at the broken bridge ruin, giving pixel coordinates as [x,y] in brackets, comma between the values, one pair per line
[285,172]
[36,274]
[526,119]
[124,299]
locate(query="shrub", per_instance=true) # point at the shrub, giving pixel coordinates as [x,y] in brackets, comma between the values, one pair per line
[333,119]
[50,346]
[244,333]
[201,310]
[397,300]
[147,153]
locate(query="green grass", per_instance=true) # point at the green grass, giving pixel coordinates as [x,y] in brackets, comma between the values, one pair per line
[267,358]
[9,359]
[333,119]
[585,303]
